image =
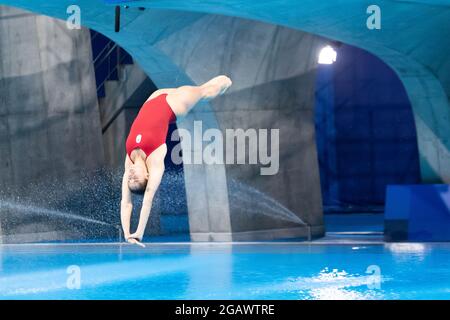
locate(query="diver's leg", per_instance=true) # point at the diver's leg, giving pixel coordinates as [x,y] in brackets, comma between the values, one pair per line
[184,98]
[161,91]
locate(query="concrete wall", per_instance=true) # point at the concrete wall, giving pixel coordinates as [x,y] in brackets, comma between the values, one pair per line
[416,51]
[411,41]
[118,109]
[49,120]
[273,72]
[49,100]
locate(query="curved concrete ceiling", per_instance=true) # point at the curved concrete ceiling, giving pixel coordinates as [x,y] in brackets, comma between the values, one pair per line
[413,40]
[417,29]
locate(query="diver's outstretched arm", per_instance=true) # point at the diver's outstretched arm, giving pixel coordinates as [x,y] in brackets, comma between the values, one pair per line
[155,162]
[126,205]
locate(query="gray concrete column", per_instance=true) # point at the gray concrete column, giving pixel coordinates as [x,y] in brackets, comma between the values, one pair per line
[49,120]
[49,114]
[273,70]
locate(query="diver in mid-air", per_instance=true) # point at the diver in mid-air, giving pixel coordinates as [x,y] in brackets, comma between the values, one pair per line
[146,145]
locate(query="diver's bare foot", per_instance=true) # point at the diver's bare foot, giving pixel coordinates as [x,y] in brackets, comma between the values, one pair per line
[216,86]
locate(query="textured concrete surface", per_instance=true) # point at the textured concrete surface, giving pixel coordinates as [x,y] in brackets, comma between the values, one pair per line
[49,119]
[273,72]
[410,41]
[48,100]
[119,108]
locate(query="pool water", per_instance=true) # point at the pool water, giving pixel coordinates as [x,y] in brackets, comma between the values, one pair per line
[225,271]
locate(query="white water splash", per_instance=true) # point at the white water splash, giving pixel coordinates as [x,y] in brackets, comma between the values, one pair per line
[255,202]
[30,209]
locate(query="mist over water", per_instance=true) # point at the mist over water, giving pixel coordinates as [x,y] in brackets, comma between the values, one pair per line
[249,200]
[84,207]
[33,210]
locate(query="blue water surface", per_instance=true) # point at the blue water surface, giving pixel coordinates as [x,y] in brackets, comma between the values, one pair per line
[225,271]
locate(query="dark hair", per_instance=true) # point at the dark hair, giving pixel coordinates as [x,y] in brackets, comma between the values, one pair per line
[138,191]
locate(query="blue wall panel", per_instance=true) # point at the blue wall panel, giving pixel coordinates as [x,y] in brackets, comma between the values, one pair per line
[366,135]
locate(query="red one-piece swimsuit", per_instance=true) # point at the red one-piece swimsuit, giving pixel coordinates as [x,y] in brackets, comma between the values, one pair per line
[149,129]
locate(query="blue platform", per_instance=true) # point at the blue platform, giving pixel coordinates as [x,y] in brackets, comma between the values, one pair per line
[417,213]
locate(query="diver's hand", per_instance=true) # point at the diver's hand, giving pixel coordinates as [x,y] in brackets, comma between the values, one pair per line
[136,236]
[135,241]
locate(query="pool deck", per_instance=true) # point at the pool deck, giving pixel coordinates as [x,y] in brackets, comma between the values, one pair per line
[343,229]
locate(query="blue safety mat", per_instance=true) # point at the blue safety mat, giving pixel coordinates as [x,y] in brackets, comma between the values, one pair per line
[418,213]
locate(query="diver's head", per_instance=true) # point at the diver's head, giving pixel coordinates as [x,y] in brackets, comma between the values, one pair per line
[137,176]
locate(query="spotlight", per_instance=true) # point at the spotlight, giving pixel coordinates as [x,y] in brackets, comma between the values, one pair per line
[327,55]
